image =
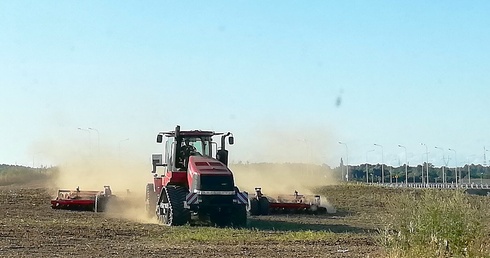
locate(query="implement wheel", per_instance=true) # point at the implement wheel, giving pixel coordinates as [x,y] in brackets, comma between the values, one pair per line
[151,201]
[253,207]
[264,206]
[100,203]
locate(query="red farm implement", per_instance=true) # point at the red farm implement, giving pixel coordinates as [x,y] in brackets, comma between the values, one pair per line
[261,204]
[83,200]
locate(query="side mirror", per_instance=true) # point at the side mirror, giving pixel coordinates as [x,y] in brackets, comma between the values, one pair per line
[231,140]
[156,160]
[159,138]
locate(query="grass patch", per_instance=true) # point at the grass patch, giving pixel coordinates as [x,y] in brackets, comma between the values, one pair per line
[233,236]
[437,224]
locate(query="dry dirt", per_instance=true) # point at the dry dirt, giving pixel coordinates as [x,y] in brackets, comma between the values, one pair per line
[30,228]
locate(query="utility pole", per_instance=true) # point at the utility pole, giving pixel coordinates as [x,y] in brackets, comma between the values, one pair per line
[484,156]
[346,161]
[484,161]
[406,163]
[382,164]
[458,177]
[426,163]
[367,169]
[443,161]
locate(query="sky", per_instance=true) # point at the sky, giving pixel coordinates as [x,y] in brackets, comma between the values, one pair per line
[290,79]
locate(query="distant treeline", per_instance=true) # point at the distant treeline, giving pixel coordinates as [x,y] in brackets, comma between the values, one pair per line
[14,174]
[478,173]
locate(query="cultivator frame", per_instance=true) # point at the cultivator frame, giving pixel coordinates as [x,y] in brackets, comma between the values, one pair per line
[82,200]
[261,204]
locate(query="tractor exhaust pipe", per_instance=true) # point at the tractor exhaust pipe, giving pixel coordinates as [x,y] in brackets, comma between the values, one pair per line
[177,131]
[177,146]
[222,154]
[223,143]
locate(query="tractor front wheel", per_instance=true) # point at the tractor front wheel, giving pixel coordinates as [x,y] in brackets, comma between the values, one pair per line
[239,216]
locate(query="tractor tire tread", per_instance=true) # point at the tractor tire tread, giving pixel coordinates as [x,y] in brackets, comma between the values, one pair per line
[176,196]
[239,219]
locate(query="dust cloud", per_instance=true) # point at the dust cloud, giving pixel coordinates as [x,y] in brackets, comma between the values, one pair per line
[289,159]
[281,178]
[292,160]
[126,175]
[284,179]
[275,144]
[327,205]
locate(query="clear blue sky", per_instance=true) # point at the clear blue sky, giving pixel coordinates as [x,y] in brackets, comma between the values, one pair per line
[272,72]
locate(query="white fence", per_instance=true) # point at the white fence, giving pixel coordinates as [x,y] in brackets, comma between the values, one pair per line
[435,185]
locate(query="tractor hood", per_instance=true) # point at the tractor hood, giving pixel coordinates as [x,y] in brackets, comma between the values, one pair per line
[207,175]
[205,165]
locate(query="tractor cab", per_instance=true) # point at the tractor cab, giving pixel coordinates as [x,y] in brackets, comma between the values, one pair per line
[181,149]
[180,145]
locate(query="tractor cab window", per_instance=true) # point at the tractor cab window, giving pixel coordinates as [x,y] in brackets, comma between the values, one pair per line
[192,146]
[206,146]
[189,147]
[197,146]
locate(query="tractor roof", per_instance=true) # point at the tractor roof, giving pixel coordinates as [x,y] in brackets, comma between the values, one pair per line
[196,133]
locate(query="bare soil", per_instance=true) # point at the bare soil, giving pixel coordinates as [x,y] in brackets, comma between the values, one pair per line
[30,228]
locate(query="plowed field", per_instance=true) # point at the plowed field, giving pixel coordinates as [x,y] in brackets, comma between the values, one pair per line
[30,228]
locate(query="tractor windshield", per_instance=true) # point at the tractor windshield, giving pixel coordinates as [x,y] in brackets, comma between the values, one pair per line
[200,144]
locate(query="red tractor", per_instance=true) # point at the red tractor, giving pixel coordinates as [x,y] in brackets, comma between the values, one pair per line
[194,186]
